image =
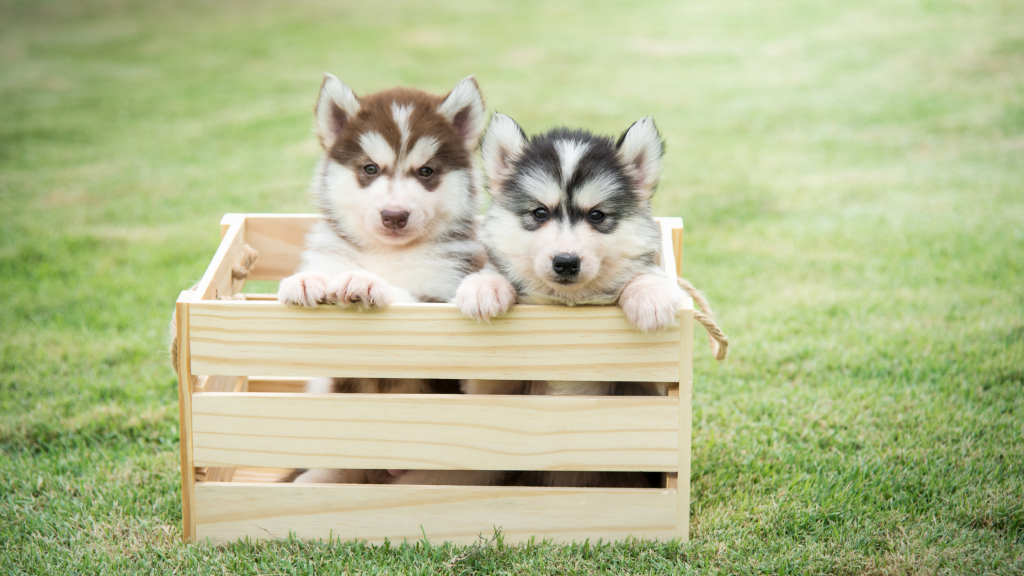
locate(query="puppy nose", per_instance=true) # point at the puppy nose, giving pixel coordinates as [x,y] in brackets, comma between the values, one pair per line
[566,264]
[394,219]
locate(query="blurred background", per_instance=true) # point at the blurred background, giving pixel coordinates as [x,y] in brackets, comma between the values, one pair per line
[851,177]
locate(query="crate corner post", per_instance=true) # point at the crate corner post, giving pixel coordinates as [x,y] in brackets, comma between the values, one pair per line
[685,425]
[186,380]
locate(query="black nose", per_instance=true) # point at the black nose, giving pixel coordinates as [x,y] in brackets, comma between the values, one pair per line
[394,219]
[566,264]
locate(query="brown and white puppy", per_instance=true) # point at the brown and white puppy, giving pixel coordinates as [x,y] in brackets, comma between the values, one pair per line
[570,223]
[398,193]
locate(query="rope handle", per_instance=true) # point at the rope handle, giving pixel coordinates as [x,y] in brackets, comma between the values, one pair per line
[719,341]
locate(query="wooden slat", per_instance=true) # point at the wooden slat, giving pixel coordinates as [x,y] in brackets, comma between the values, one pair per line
[685,406]
[280,239]
[186,380]
[677,245]
[217,280]
[221,384]
[280,384]
[214,474]
[428,341]
[231,511]
[266,475]
[668,251]
[436,432]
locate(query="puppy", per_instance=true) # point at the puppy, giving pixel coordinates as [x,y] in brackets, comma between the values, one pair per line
[399,194]
[571,224]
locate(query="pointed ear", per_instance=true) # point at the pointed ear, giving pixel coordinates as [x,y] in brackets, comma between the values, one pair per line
[335,108]
[503,143]
[640,149]
[464,108]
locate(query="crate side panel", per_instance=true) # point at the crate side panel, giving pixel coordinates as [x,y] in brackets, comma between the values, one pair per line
[280,239]
[436,432]
[227,512]
[428,341]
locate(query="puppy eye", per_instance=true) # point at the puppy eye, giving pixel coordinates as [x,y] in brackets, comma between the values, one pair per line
[371,169]
[426,172]
[596,216]
[540,213]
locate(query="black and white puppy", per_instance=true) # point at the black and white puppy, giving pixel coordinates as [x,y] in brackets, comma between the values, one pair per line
[570,223]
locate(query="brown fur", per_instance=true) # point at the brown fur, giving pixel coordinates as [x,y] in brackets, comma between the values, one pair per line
[375,115]
[395,386]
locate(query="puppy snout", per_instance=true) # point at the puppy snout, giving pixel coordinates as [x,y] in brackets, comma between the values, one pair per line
[566,264]
[394,219]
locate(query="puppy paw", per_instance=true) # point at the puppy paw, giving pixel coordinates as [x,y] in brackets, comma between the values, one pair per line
[358,288]
[484,295]
[650,302]
[304,289]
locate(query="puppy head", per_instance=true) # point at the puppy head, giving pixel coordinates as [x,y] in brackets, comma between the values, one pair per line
[397,166]
[571,215]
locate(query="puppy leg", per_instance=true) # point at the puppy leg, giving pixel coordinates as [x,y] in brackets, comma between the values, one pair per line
[304,289]
[365,290]
[650,302]
[484,295]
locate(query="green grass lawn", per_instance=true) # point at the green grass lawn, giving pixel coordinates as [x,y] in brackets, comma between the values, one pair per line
[852,180]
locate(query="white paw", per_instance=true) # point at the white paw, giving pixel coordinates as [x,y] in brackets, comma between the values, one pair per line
[305,289]
[651,302]
[358,288]
[484,295]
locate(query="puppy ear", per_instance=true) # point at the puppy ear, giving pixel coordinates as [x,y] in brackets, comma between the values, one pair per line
[336,106]
[464,108]
[503,143]
[640,149]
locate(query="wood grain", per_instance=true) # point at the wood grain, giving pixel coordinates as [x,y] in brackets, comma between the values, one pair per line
[265,475]
[428,341]
[436,432]
[280,239]
[685,406]
[667,258]
[278,384]
[227,512]
[221,384]
[677,245]
[186,380]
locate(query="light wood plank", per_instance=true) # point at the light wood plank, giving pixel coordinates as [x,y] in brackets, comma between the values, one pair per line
[217,281]
[260,296]
[186,380]
[373,513]
[280,239]
[677,245]
[265,475]
[221,384]
[428,341]
[214,474]
[280,384]
[667,258]
[436,432]
[685,406]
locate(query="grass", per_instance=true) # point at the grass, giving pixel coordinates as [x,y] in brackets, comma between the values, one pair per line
[851,176]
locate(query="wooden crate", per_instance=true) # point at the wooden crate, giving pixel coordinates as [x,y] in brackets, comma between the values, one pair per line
[244,418]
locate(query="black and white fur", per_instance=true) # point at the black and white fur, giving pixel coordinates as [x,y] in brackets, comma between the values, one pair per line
[570,223]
